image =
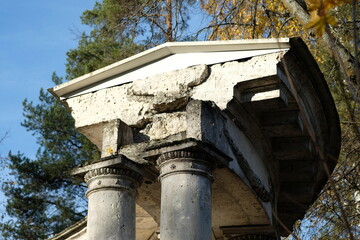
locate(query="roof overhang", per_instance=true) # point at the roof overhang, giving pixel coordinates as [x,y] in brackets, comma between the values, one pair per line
[203,52]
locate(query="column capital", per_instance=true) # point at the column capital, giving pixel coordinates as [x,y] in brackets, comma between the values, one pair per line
[121,179]
[185,161]
[106,171]
[186,148]
[183,154]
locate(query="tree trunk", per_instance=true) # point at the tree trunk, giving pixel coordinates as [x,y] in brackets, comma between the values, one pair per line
[344,58]
[169,21]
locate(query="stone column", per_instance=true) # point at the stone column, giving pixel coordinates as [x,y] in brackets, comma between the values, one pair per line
[111,208]
[185,196]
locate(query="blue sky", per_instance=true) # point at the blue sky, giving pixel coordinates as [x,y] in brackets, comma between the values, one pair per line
[34,38]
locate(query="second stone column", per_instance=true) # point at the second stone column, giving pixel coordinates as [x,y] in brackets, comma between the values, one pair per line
[185,196]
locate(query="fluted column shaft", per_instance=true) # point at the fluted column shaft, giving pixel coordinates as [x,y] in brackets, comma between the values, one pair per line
[185,196]
[111,207]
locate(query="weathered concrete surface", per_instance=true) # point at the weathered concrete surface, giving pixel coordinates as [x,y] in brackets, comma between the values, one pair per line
[234,204]
[207,123]
[165,124]
[139,100]
[219,87]
[111,203]
[185,196]
[141,103]
[146,227]
[114,135]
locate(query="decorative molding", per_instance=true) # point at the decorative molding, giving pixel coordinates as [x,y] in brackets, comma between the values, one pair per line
[180,154]
[113,171]
[185,161]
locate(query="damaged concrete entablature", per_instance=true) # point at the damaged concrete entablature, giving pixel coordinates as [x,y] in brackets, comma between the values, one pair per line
[250,108]
[173,91]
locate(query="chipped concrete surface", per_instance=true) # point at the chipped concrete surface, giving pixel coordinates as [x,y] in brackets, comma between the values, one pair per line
[136,103]
[115,134]
[166,124]
[219,87]
[148,103]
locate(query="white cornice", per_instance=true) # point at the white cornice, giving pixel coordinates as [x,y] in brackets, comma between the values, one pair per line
[162,51]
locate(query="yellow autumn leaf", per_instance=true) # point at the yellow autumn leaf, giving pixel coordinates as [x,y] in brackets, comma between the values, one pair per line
[314,5]
[330,20]
[320,22]
[325,5]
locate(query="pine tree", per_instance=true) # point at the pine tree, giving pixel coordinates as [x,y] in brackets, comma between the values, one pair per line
[44,199]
